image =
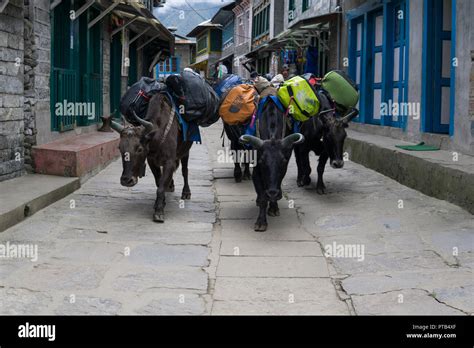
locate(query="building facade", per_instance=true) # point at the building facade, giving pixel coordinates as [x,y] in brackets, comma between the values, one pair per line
[412,61]
[63,65]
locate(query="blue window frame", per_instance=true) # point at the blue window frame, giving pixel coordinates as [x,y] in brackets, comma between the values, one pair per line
[169,66]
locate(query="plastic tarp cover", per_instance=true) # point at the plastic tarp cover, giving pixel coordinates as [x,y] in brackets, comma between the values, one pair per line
[137,98]
[199,101]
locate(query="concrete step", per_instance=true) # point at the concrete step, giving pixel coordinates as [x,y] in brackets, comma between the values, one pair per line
[446,175]
[77,156]
[24,196]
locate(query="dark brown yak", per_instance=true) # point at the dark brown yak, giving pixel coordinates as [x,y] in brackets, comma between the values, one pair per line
[159,140]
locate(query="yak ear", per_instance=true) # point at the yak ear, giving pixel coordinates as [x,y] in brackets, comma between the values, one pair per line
[250,139]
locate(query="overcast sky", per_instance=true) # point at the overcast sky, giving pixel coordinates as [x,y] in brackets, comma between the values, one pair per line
[197,4]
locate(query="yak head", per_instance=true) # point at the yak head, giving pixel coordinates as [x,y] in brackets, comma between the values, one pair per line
[133,149]
[334,135]
[273,156]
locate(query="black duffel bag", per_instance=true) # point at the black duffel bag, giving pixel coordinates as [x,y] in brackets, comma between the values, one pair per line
[196,99]
[137,98]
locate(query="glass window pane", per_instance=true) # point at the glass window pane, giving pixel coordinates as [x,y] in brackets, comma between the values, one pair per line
[378,67]
[377,102]
[396,63]
[359,36]
[446,62]
[378,30]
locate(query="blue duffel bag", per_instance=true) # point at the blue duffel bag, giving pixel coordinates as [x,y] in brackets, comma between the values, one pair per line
[227,83]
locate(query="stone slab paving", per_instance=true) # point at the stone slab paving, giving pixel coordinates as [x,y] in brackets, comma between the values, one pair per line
[99,252]
[417,256]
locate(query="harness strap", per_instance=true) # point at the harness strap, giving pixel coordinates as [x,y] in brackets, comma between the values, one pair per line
[168,126]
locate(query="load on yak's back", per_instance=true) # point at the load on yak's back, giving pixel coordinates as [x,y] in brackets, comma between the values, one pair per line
[301,94]
[195,100]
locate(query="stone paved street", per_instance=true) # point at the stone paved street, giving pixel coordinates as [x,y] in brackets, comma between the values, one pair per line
[100,253]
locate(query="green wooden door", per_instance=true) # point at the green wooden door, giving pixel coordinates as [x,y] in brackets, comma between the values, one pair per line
[90,63]
[115,75]
[64,79]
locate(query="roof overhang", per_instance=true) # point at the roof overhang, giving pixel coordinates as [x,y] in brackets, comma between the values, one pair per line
[137,17]
[202,27]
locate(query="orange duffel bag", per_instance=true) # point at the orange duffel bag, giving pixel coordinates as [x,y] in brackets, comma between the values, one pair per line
[238,104]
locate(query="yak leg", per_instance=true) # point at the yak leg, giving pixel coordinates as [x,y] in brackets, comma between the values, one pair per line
[304,166]
[247,175]
[320,187]
[156,173]
[273,210]
[166,177]
[234,145]
[262,202]
[186,194]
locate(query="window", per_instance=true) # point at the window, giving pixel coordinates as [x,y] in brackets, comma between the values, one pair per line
[169,66]
[202,44]
[261,22]
[291,10]
[306,4]
[228,34]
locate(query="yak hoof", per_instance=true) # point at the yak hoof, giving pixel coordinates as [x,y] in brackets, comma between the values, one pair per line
[260,227]
[273,212]
[247,176]
[186,195]
[159,217]
[321,190]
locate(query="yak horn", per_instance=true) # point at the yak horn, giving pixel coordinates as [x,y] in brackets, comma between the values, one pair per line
[292,139]
[351,115]
[250,139]
[116,126]
[148,125]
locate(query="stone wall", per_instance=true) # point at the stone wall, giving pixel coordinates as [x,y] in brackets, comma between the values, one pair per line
[11,91]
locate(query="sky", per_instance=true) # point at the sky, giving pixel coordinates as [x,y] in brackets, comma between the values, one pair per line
[177,13]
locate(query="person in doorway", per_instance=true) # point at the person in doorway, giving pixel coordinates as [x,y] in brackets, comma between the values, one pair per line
[221,70]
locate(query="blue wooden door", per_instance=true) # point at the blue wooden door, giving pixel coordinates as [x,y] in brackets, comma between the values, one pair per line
[374,66]
[437,66]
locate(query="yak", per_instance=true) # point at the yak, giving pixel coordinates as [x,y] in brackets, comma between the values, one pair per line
[158,140]
[273,154]
[324,134]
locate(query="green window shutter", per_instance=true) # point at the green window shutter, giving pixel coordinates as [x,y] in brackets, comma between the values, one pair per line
[132,70]
[64,78]
[115,75]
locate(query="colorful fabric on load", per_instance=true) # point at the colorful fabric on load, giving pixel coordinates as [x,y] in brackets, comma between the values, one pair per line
[298,93]
[227,83]
[341,89]
[238,104]
[190,130]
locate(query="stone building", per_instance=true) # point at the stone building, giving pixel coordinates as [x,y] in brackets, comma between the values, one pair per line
[63,65]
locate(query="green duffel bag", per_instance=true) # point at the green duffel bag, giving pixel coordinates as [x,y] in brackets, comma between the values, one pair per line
[298,93]
[341,89]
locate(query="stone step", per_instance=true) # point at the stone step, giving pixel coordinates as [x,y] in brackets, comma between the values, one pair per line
[77,156]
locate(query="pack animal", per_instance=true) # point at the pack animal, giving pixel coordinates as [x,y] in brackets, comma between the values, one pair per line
[325,135]
[158,140]
[273,154]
